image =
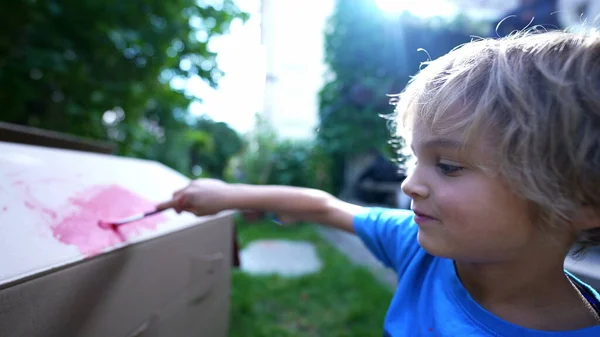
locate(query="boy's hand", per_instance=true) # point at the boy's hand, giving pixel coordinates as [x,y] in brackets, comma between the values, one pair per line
[200,197]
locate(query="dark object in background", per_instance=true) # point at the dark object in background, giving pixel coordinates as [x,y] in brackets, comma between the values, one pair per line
[14,133]
[379,183]
[542,12]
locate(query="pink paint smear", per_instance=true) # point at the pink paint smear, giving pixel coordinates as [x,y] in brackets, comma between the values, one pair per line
[80,228]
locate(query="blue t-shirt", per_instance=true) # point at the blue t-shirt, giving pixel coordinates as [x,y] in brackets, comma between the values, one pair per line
[430,300]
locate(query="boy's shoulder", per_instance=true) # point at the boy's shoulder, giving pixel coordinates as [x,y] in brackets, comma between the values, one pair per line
[390,234]
[391,216]
[387,224]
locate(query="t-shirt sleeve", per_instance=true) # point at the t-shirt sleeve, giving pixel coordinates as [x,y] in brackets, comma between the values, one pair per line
[390,234]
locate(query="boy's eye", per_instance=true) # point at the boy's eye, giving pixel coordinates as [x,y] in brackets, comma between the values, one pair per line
[448,168]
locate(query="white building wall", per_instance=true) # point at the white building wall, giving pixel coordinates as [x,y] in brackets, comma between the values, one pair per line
[293,40]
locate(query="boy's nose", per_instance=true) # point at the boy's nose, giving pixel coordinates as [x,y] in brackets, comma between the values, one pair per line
[415,188]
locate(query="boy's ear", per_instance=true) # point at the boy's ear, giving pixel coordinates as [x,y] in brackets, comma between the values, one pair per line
[588,218]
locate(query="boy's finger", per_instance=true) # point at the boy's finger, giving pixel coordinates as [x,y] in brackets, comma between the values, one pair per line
[166,205]
[177,194]
[174,203]
[180,203]
[180,191]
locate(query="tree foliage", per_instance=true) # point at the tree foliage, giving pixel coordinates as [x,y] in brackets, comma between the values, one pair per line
[213,145]
[102,68]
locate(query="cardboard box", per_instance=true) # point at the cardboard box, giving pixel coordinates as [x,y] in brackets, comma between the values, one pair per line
[61,275]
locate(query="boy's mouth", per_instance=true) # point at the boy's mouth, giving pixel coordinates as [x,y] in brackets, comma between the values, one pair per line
[421,217]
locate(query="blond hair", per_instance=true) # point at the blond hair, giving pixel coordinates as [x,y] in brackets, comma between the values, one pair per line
[537,95]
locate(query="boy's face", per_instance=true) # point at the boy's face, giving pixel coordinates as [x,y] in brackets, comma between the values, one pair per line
[465,213]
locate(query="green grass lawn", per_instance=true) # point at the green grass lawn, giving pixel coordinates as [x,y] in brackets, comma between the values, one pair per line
[341,300]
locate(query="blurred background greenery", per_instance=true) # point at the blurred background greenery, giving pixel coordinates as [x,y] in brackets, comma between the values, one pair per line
[104,70]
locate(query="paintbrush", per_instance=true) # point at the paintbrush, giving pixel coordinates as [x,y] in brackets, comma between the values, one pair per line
[112,224]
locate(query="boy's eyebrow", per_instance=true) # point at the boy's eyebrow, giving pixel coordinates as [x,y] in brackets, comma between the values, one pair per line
[441,142]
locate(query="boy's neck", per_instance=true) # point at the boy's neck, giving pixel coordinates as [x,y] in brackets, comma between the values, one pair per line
[533,293]
[509,281]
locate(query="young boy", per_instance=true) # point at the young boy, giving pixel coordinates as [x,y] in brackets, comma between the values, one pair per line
[506,134]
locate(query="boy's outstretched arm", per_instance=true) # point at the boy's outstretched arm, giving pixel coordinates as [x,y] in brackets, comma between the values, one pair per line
[210,196]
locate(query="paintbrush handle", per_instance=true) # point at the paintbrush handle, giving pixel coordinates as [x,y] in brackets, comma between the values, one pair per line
[129,219]
[124,221]
[136,217]
[152,212]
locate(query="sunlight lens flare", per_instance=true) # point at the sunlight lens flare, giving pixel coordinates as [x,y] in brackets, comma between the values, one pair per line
[420,8]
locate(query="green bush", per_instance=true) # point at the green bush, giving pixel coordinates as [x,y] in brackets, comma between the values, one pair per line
[213,145]
[299,163]
[267,159]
